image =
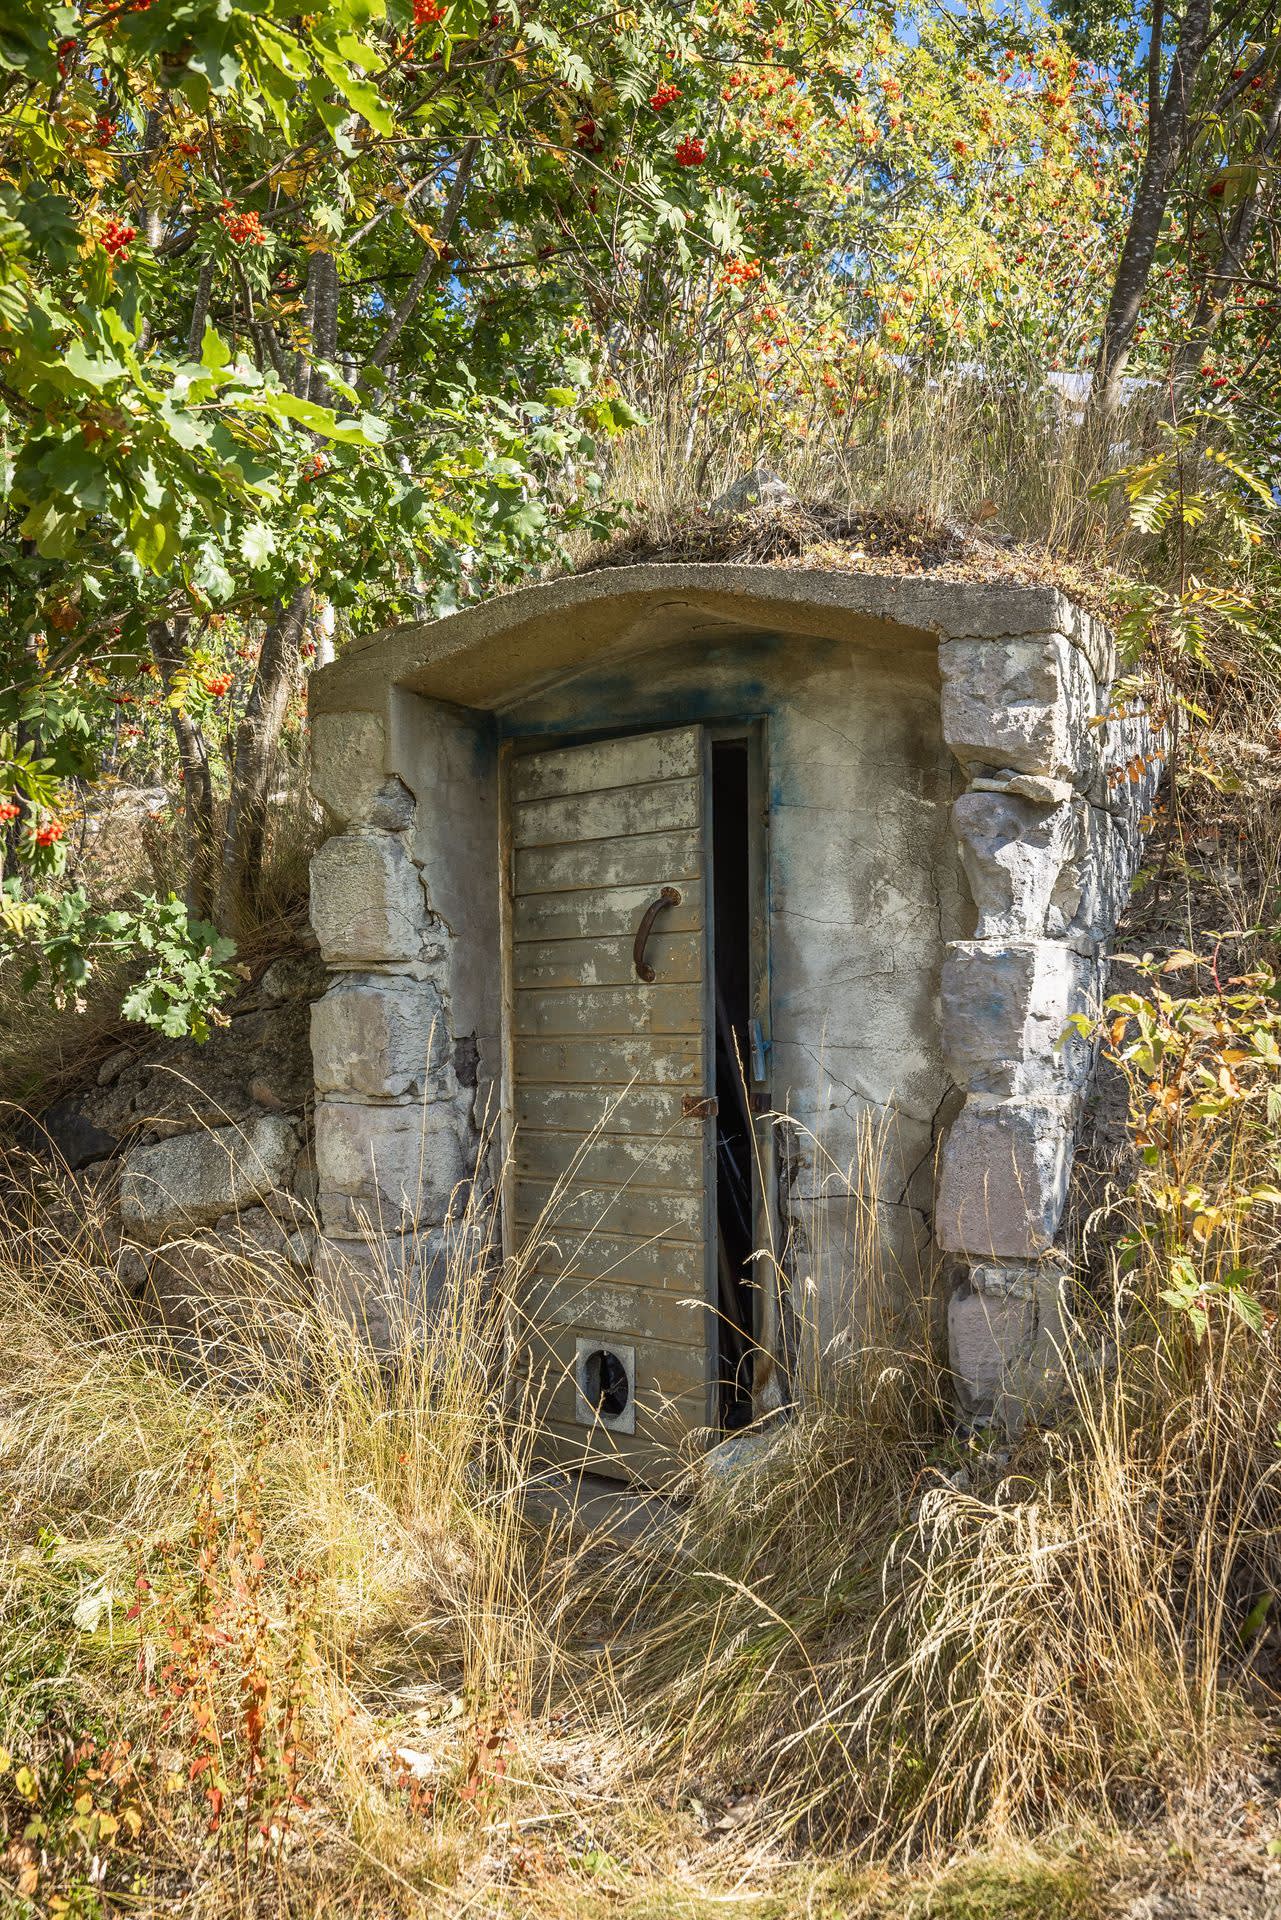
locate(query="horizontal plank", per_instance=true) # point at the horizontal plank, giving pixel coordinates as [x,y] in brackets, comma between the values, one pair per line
[642,1212]
[666,1409]
[642,860]
[636,1110]
[589,913]
[648,1461]
[666,1060]
[677,958]
[584,1012]
[625,1313]
[661,1262]
[664,1369]
[662,806]
[611,1159]
[606,763]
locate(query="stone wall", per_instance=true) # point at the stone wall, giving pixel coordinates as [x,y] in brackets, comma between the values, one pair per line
[400,1107]
[193,1165]
[1061,782]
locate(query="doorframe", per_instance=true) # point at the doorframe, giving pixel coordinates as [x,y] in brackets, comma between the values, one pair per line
[769,1329]
[770,1335]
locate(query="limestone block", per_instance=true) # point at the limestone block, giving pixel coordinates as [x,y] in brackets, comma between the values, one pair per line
[349,775]
[389,1166]
[1003,1177]
[381,1035]
[367,904]
[1006,1009]
[389,1290]
[1020,704]
[1091,636]
[192,1179]
[985,1338]
[1093,884]
[1013,850]
[1006,1347]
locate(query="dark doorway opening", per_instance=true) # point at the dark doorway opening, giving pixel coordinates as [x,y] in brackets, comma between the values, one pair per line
[735,1158]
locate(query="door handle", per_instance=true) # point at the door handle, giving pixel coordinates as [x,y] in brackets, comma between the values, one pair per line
[669,897]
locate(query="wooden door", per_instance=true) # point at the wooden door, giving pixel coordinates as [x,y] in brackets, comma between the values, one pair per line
[612,1199]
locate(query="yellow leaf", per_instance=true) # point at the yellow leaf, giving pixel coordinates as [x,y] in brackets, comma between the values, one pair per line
[170,174]
[84,1803]
[99,166]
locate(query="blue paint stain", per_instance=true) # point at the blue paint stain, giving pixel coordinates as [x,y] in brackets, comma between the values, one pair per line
[619,702]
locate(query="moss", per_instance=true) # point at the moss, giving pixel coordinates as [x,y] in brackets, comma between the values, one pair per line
[1013,1887]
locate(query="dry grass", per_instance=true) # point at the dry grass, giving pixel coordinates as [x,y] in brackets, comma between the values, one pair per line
[874,1643]
[943,458]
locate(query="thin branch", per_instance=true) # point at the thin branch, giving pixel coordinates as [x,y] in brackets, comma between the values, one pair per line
[433,255]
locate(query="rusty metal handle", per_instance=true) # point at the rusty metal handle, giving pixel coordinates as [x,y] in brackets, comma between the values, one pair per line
[669,897]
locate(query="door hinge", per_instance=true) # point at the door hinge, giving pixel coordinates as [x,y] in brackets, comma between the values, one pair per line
[699,1106]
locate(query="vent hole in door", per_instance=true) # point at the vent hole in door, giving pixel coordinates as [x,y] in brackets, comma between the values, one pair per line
[735,1160]
[604,1384]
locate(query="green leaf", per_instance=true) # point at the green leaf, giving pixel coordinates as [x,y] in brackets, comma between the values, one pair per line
[94,372]
[257,543]
[53,526]
[149,536]
[214,351]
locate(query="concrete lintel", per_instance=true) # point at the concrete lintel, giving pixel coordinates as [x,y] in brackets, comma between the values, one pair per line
[485,654]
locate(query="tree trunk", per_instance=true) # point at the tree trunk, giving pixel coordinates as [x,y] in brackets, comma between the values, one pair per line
[168,645]
[254,764]
[1167,134]
[200,311]
[257,736]
[1235,252]
[322,296]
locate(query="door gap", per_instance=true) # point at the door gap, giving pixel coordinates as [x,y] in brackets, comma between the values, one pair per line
[735,1160]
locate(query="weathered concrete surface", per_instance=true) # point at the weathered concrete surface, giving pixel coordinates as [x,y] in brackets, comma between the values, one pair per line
[479,657]
[450,760]
[191,1180]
